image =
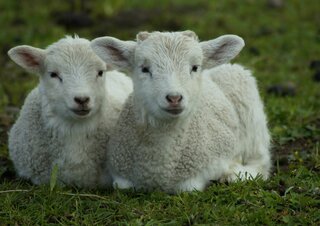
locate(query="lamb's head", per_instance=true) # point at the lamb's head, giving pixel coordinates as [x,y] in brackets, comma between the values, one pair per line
[166,68]
[71,76]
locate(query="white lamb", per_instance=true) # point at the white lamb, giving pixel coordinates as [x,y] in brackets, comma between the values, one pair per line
[183,126]
[66,120]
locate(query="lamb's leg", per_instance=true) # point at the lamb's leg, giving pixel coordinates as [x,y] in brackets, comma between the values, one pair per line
[254,143]
[240,88]
[192,184]
[255,158]
[121,183]
[239,172]
[212,172]
[249,170]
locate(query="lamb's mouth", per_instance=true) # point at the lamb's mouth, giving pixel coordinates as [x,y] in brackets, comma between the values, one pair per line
[174,111]
[81,112]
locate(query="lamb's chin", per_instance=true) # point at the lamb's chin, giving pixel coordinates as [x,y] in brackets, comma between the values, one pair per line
[164,119]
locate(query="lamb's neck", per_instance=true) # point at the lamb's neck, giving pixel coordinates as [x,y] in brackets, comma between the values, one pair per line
[64,127]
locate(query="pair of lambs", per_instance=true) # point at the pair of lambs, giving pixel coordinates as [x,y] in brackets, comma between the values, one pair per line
[181,127]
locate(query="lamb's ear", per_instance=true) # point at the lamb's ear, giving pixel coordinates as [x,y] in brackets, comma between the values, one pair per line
[116,53]
[190,34]
[143,35]
[28,57]
[221,50]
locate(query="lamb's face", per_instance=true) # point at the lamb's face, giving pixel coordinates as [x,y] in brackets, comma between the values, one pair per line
[167,74]
[71,76]
[166,67]
[73,81]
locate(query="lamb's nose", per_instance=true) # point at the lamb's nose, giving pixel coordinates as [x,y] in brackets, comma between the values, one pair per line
[81,100]
[174,99]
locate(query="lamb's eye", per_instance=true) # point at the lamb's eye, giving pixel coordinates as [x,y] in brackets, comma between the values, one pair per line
[194,68]
[100,73]
[55,75]
[145,70]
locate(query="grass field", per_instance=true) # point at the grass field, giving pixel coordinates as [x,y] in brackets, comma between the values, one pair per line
[283,50]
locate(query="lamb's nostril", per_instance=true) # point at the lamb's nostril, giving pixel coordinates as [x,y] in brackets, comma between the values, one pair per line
[174,99]
[82,100]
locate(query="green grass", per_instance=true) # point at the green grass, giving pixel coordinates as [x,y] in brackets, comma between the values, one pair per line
[280,44]
[284,199]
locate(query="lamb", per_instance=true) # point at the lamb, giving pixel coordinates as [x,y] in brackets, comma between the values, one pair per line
[191,118]
[67,119]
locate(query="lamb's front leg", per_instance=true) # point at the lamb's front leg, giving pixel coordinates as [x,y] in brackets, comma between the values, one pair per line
[201,180]
[196,183]
[121,183]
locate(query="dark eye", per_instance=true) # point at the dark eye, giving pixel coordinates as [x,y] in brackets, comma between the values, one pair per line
[100,73]
[194,68]
[145,70]
[55,75]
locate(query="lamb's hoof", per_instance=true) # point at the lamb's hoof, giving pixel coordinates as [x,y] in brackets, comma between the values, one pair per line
[120,183]
[192,184]
[236,176]
[229,177]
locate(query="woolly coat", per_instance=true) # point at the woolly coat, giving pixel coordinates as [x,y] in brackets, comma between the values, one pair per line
[79,149]
[163,157]
[253,141]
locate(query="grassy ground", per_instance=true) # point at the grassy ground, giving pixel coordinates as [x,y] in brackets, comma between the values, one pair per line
[281,43]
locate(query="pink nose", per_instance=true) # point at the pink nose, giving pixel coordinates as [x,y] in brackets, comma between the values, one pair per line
[174,99]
